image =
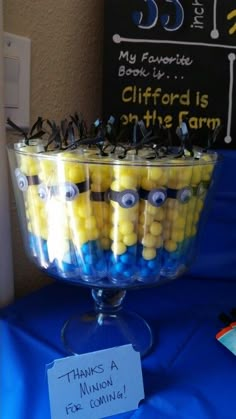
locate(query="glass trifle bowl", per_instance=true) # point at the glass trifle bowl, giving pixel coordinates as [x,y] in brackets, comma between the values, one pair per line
[111,224]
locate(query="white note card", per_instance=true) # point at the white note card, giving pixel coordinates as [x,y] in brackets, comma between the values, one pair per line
[95,385]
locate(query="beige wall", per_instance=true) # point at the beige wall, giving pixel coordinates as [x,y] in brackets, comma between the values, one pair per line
[66,70]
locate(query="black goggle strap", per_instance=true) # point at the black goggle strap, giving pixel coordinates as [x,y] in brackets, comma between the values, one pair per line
[98,196]
[33,180]
[82,187]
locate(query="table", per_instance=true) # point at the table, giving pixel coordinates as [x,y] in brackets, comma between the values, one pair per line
[188,374]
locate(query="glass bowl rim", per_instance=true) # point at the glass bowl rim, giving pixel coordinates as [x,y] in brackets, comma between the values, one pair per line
[134,161]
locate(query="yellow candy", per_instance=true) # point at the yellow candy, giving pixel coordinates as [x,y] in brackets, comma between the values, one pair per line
[128,182]
[177,235]
[130,239]
[166,233]
[84,209]
[146,219]
[159,214]
[185,174]
[105,231]
[171,203]
[126,227]
[206,176]
[162,181]
[115,234]
[155,173]
[149,253]
[80,236]
[149,240]
[156,228]
[47,167]
[172,183]
[116,186]
[170,245]
[124,171]
[142,206]
[44,233]
[118,248]
[29,166]
[90,222]
[126,214]
[93,234]
[74,172]
[151,209]
[172,214]
[196,175]
[199,205]
[180,222]
[147,184]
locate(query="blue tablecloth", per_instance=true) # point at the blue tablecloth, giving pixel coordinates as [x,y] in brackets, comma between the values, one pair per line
[188,374]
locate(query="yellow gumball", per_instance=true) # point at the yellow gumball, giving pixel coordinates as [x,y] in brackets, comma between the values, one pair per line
[149,253]
[118,248]
[170,245]
[126,226]
[156,228]
[130,239]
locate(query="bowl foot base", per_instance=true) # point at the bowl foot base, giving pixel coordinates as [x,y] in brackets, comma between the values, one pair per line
[95,331]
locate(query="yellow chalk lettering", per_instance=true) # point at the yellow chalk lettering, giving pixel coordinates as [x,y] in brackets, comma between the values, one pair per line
[204,101]
[127,94]
[182,116]
[185,98]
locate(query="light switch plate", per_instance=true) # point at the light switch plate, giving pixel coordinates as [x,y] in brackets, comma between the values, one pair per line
[17,54]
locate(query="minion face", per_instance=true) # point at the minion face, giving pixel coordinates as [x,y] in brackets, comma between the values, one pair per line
[100,177]
[124,204]
[170,208]
[27,179]
[73,232]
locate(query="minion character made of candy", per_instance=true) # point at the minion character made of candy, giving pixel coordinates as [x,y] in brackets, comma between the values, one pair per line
[27,181]
[72,233]
[171,201]
[116,222]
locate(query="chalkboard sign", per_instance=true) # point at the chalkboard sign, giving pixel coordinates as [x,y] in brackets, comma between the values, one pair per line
[170,60]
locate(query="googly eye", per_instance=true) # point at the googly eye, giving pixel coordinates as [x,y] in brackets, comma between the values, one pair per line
[185,194]
[157,197]
[68,191]
[22,181]
[128,198]
[201,190]
[43,192]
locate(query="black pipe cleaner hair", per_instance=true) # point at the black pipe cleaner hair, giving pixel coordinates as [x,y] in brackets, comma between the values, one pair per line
[113,135]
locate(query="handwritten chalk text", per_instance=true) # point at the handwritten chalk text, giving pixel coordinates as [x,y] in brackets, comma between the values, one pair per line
[150,117]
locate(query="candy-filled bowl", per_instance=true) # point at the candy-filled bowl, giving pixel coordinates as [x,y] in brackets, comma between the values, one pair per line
[110,223]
